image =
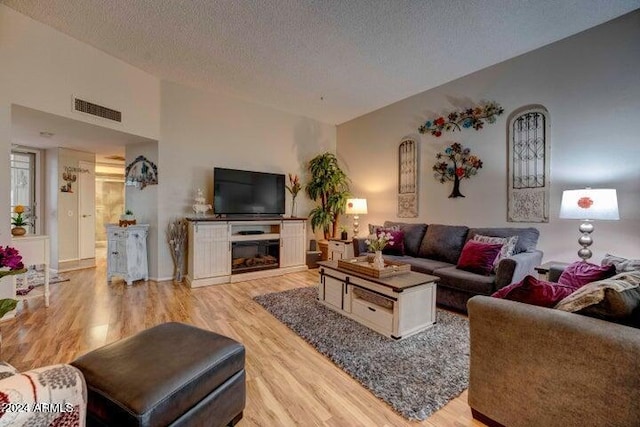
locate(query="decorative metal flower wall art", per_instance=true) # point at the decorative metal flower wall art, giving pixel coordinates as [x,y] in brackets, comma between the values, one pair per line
[458,120]
[454,164]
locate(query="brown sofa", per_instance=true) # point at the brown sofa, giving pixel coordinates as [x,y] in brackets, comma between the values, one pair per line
[435,249]
[536,366]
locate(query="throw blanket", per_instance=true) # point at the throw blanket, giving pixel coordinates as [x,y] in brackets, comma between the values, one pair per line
[595,292]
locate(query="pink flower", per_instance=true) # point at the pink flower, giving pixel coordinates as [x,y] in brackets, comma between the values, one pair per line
[10,257]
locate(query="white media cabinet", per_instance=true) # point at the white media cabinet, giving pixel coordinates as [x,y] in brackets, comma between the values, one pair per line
[212,243]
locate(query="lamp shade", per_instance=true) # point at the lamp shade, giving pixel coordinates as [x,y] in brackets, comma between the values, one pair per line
[590,203]
[356,207]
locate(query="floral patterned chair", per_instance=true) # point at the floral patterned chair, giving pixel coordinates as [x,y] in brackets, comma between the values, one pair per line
[51,396]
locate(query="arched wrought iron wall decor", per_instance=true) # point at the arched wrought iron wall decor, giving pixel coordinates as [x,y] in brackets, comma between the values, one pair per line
[529,165]
[408,178]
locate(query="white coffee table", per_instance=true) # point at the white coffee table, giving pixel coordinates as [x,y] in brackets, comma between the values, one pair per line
[397,306]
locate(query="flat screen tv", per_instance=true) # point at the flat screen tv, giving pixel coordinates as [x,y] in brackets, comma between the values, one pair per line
[238,192]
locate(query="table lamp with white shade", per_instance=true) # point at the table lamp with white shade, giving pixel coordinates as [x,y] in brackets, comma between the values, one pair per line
[589,204]
[356,207]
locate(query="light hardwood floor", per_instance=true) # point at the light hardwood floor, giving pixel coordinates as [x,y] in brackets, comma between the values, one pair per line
[288,382]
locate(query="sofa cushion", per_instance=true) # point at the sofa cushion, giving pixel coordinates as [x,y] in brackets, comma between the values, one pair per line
[396,245]
[413,235]
[453,277]
[535,292]
[421,265]
[580,273]
[508,245]
[443,242]
[478,257]
[527,237]
[373,228]
[613,298]
[621,264]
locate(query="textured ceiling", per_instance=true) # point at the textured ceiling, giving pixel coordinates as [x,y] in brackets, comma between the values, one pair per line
[332,60]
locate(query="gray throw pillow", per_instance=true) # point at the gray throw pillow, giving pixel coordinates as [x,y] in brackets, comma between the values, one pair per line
[621,264]
[527,236]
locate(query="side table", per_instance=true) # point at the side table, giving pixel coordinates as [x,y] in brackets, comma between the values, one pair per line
[543,270]
[35,250]
[340,249]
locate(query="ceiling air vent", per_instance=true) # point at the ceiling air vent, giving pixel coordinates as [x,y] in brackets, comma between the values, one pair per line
[96,110]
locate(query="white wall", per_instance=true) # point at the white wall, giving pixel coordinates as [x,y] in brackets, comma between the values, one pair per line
[590,83]
[42,68]
[143,202]
[201,130]
[62,210]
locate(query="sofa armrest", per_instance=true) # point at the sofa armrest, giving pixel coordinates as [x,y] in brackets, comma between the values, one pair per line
[531,365]
[52,395]
[555,271]
[516,267]
[359,246]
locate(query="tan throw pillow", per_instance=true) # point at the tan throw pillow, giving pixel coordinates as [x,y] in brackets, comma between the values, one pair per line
[508,245]
[615,298]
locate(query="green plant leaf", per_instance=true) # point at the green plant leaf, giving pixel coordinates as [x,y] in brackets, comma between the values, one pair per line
[6,305]
[329,187]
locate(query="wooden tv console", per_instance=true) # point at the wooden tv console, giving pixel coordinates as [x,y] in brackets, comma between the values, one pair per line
[211,243]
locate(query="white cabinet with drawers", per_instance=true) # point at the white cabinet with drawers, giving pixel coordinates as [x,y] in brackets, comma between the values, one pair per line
[340,249]
[127,252]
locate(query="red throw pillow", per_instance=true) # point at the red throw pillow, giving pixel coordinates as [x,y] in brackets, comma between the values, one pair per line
[398,242]
[580,273]
[535,292]
[478,257]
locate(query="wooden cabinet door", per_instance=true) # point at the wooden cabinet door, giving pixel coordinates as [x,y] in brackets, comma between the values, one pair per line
[211,250]
[292,243]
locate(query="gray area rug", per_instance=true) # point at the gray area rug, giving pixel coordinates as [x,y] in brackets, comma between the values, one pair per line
[416,376]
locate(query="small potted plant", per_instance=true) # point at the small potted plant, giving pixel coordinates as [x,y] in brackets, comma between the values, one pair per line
[128,218]
[18,222]
[344,235]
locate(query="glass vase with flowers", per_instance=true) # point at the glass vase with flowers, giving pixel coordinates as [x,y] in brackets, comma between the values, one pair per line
[376,244]
[294,188]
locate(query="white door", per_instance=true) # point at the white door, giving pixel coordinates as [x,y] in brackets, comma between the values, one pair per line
[87,210]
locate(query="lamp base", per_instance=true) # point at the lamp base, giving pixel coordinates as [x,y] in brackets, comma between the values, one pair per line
[355,225]
[586,228]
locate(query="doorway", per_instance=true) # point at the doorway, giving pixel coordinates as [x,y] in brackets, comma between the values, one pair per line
[109,201]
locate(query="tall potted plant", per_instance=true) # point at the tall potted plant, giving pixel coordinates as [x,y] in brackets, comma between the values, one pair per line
[328,185]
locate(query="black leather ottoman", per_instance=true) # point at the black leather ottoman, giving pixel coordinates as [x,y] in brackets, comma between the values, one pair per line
[172,374]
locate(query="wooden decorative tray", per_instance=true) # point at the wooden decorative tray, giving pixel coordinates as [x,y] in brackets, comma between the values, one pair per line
[363,265]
